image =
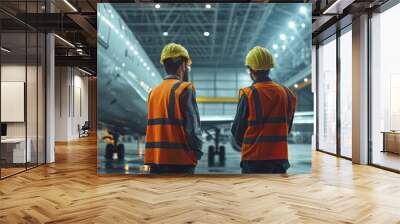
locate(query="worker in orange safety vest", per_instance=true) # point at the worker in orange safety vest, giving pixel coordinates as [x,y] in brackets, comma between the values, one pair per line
[264,118]
[173,135]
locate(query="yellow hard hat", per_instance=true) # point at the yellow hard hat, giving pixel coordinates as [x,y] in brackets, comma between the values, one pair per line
[173,50]
[259,58]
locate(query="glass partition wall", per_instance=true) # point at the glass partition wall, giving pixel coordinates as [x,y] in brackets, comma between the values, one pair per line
[385,90]
[22,77]
[334,94]
[346,93]
[327,95]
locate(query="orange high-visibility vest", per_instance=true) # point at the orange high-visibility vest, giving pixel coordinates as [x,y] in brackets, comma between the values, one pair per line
[271,109]
[165,135]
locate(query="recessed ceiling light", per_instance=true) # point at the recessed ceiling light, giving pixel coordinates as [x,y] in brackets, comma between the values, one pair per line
[206,34]
[157,6]
[282,37]
[276,55]
[283,47]
[292,25]
[305,79]
[303,10]
[208,6]
[296,86]
[303,25]
[165,33]
[292,37]
[274,46]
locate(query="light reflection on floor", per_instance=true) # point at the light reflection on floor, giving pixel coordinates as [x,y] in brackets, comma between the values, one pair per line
[386,159]
[299,158]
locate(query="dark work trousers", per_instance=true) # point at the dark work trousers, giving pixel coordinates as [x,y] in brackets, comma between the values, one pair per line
[171,169]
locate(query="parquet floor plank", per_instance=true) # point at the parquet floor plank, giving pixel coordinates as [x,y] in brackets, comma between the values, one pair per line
[70,191]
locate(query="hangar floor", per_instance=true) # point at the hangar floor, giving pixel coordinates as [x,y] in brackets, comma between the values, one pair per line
[70,191]
[299,157]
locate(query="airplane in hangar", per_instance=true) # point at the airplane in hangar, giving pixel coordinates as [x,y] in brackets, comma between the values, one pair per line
[125,77]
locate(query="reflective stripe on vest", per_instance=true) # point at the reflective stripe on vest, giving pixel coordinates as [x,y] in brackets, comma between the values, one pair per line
[269,112]
[165,134]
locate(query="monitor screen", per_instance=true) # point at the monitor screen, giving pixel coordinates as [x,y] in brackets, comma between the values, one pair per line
[3,129]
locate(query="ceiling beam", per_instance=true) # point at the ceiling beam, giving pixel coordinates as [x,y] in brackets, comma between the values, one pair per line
[260,26]
[228,30]
[244,23]
[299,76]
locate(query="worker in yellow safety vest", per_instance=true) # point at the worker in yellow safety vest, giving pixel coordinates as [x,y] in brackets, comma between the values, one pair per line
[173,135]
[264,118]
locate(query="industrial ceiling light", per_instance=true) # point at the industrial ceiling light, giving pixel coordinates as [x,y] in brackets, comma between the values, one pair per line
[5,50]
[332,7]
[165,33]
[84,71]
[282,37]
[157,6]
[303,10]
[65,41]
[70,5]
[208,6]
[206,34]
[274,46]
[292,25]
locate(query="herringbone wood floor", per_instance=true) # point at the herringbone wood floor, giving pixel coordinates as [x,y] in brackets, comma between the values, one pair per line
[70,191]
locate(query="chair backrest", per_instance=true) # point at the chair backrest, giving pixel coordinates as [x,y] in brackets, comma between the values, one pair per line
[86,125]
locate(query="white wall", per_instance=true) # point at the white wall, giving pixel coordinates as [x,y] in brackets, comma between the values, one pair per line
[71,102]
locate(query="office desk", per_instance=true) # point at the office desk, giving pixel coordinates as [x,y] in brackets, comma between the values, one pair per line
[391,141]
[13,150]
